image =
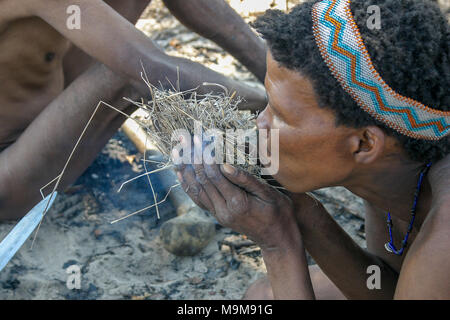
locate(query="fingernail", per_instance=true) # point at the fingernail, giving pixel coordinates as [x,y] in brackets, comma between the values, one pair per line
[197,141]
[210,173]
[175,156]
[180,177]
[228,169]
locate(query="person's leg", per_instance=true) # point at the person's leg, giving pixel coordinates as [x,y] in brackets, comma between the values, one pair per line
[217,21]
[324,289]
[76,61]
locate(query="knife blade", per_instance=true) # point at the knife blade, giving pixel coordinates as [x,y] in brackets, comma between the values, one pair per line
[23,229]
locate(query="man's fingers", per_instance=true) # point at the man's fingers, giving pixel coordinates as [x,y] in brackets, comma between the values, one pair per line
[235,199]
[247,182]
[225,187]
[216,198]
[194,189]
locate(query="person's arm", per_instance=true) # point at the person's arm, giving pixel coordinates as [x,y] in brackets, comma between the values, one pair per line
[217,21]
[246,205]
[424,274]
[115,42]
[337,254]
[76,61]
[287,268]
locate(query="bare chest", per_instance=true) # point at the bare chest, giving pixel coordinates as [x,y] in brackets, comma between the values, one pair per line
[31,74]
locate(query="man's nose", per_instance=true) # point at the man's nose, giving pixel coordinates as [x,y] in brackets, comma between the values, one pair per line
[262,122]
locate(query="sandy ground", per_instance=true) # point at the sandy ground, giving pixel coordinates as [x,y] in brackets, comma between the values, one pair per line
[126,260]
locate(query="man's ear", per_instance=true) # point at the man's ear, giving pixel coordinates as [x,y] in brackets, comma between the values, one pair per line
[368,144]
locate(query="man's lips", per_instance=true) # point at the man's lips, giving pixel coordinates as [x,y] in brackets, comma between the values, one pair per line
[265,161]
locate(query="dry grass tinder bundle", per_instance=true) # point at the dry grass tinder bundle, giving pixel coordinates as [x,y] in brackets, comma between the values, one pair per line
[171,110]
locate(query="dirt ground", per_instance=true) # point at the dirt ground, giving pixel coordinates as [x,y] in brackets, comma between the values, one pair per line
[126,260]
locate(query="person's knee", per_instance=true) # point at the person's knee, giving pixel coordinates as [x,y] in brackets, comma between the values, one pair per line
[259,290]
[324,289]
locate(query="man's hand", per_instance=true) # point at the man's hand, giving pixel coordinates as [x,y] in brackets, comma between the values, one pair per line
[241,202]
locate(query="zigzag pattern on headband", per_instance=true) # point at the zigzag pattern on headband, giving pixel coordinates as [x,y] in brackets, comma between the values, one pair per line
[345,54]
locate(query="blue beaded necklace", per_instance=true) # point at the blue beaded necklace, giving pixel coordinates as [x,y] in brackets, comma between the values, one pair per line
[390,247]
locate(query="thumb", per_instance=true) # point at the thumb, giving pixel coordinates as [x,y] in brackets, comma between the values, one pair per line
[247,182]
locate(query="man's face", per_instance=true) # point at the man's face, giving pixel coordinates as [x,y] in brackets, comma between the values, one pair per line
[313,152]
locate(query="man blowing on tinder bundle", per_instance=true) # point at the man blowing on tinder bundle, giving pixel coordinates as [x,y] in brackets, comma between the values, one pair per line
[355,107]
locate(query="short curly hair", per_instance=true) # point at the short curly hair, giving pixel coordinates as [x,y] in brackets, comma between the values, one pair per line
[410,51]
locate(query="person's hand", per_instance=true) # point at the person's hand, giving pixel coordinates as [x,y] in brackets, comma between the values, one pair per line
[240,202]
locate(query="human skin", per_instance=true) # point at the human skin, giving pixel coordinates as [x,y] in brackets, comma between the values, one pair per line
[227,29]
[315,153]
[53,78]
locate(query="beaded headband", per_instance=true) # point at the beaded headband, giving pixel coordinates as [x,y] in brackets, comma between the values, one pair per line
[345,54]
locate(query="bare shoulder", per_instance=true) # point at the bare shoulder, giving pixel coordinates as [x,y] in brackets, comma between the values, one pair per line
[423,275]
[17,8]
[441,168]
[435,231]
[11,10]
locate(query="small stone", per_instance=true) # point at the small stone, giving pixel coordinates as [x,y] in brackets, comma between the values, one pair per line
[97,233]
[174,43]
[200,267]
[195,280]
[188,234]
